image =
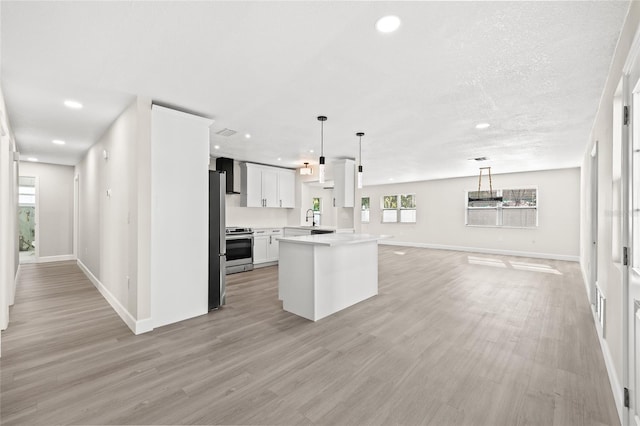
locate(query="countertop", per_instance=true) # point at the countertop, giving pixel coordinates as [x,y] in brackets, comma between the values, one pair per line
[323,228]
[335,239]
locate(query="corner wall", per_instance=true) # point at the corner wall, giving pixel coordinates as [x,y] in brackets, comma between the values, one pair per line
[441,215]
[8,216]
[609,275]
[114,213]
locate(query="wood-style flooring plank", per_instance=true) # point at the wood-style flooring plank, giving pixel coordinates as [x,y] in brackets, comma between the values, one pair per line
[451,339]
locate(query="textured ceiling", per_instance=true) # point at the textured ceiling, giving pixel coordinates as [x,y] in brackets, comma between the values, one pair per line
[533,70]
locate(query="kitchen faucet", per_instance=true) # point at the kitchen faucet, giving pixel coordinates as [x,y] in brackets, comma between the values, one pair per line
[306,217]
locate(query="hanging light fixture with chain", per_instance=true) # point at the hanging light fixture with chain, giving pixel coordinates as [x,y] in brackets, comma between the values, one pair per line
[321,170]
[360,135]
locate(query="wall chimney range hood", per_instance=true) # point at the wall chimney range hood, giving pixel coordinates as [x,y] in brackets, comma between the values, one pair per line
[226,165]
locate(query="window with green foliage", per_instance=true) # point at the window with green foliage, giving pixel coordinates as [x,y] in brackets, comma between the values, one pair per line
[317,206]
[516,208]
[403,211]
[364,210]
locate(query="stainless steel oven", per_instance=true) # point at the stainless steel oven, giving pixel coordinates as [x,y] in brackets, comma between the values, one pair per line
[239,249]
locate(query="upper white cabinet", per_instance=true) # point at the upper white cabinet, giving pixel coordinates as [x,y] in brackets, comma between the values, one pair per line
[344,183]
[264,186]
[287,188]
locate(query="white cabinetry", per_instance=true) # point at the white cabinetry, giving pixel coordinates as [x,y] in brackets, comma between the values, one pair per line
[287,188]
[265,245]
[344,183]
[295,232]
[264,186]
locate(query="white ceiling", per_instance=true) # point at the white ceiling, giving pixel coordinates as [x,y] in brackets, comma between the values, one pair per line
[533,70]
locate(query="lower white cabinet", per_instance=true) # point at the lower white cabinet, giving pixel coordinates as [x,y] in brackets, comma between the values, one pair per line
[265,245]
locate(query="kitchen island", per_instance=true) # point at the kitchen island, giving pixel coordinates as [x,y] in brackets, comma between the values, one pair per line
[325,273]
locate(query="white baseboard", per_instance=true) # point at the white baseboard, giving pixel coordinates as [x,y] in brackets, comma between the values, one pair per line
[46,259]
[137,326]
[484,250]
[585,280]
[616,387]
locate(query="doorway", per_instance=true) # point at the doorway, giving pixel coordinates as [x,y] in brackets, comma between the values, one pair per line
[27,219]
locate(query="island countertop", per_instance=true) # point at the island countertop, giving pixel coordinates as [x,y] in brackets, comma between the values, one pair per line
[332,239]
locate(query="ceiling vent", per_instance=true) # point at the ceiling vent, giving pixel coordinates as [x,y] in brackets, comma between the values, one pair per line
[479,159]
[226,132]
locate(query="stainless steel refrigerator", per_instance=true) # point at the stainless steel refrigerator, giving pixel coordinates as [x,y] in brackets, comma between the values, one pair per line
[217,243]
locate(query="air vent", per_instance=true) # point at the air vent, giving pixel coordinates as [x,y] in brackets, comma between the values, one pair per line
[479,159]
[226,132]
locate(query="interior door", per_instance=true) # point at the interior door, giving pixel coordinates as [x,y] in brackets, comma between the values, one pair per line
[633,295]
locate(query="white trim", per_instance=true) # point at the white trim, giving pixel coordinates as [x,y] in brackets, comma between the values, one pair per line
[632,55]
[59,258]
[136,326]
[189,115]
[485,250]
[586,281]
[616,387]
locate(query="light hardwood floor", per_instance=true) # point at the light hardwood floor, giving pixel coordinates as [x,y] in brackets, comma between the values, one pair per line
[452,339]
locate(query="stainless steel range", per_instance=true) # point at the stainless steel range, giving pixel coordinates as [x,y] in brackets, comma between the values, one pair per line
[239,249]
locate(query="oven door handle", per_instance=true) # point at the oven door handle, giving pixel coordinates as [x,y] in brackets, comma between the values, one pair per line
[239,237]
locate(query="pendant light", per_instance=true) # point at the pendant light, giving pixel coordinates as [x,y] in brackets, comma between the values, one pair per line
[321,119]
[306,170]
[360,135]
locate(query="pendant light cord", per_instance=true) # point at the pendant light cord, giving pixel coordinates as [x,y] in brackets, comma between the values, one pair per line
[322,138]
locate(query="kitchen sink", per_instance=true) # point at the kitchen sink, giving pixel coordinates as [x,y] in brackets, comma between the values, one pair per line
[322,231]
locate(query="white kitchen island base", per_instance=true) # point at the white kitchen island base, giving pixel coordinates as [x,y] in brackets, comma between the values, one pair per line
[323,274]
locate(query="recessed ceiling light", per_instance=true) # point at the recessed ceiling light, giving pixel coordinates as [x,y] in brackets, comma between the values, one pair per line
[390,178]
[72,104]
[216,147]
[311,151]
[247,135]
[279,159]
[388,24]
[483,125]
[33,159]
[58,142]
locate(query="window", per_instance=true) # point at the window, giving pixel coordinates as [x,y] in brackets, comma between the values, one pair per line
[317,205]
[403,211]
[364,210]
[515,208]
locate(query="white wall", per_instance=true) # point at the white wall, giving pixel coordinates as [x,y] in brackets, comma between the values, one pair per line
[114,206]
[8,216]
[55,207]
[179,215]
[609,276]
[441,215]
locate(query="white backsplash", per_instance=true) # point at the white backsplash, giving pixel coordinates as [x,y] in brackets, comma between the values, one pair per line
[254,217]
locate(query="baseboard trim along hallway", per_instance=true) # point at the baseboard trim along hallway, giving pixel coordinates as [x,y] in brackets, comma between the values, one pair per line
[137,326]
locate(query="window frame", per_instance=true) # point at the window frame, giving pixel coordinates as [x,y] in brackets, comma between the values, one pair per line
[362,209]
[499,208]
[399,208]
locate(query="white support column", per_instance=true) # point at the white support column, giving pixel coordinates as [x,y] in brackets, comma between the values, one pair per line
[6,242]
